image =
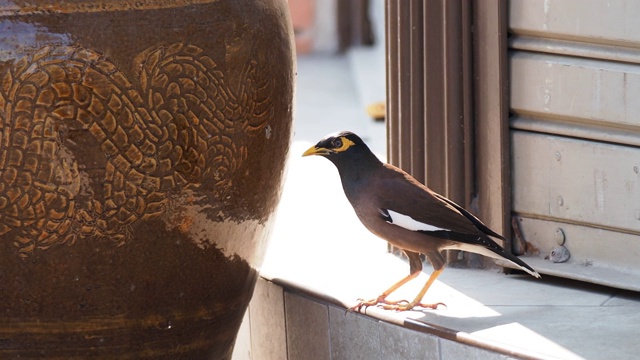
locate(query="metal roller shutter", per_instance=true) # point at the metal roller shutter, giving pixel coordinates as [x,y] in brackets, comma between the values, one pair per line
[575,135]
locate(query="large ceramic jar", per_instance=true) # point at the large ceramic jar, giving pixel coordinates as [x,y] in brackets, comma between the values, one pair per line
[142,147]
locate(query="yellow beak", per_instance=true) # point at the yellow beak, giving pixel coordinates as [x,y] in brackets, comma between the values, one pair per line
[316,151]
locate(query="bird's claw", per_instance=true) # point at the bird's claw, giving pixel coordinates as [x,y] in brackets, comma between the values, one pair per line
[434,306]
[398,305]
[406,306]
[363,304]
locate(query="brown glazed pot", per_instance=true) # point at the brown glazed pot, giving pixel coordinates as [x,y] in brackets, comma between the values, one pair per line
[142,148]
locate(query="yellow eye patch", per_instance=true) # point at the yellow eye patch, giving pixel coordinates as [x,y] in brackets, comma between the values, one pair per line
[343,144]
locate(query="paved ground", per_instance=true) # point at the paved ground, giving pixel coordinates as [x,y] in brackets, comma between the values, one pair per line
[319,245]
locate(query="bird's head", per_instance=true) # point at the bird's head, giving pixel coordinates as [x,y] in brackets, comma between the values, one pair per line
[343,149]
[337,144]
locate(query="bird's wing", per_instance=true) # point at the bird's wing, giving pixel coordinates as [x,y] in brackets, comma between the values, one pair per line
[407,203]
[479,224]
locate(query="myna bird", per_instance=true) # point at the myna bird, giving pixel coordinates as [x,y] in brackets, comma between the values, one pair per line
[396,207]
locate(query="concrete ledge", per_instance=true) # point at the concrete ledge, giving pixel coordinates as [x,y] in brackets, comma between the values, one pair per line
[313,328]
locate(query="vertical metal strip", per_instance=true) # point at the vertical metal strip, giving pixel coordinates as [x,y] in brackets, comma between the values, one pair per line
[404,68]
[393,113]
[453,101]
[492,113]
[416,144]
[467,101]
[434,83]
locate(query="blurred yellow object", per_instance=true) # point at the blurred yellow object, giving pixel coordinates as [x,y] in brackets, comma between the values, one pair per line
[377,110]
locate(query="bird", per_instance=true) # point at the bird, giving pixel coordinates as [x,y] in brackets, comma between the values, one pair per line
[396,207]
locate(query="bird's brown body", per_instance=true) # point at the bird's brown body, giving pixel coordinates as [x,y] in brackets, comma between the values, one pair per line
[397,208]
[406,192]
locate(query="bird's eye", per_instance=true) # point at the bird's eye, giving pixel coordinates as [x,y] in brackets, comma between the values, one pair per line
[337,143]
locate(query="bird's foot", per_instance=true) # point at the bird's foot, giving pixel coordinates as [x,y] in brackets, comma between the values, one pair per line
[365,304]
[399,305]
[404,305]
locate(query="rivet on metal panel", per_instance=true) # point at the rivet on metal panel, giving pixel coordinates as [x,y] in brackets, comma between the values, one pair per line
[559,236]
[560,201]
[558,156]
[559,254]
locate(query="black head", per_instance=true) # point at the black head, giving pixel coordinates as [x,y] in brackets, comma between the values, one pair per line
[343,148]
[335,144]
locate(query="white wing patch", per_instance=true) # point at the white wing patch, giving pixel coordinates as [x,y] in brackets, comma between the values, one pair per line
[410,223]
[478,249]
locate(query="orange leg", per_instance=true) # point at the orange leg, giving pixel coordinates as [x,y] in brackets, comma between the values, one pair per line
[405,305]
[402,305]
[383,296]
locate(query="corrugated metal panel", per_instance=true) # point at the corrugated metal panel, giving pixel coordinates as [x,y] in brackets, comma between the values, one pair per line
[429,107]
[606,22]
[575,81]
[430,96]
[584,90]
[576,181]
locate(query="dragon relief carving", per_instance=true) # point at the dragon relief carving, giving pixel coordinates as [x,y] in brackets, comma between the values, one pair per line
[170,127]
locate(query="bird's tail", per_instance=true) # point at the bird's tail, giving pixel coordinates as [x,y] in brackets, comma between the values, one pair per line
[516,261]
[496,252]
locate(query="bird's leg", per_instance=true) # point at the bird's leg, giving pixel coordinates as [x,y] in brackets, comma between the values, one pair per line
[415,266]
[405,305]
[383,296]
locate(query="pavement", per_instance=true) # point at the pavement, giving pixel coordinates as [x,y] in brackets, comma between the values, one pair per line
[319,248]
